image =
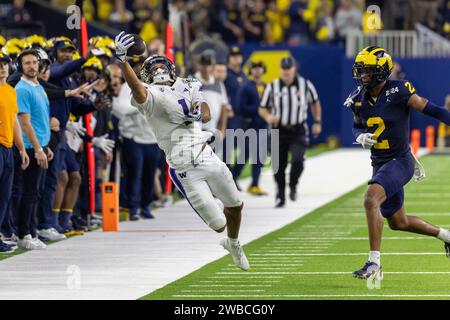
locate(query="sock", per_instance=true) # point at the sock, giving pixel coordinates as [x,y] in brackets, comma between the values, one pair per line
[233,241]
[444,235]
[65,216]
[55,218]
[375,256]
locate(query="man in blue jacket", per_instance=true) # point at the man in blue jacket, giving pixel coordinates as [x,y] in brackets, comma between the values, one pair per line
[234,81]
[249,96]
[61,72]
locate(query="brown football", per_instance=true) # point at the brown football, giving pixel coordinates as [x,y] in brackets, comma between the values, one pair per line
[138,48]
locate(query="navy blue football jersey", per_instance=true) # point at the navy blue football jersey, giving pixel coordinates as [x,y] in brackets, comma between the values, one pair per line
[387,117]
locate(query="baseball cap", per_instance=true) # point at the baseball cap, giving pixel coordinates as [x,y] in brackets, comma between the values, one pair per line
[63,43]
[4,57]
[234,51]
[287,62]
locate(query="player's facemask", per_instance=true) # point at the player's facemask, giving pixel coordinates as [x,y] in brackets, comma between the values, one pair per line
[158,69]
[372,66]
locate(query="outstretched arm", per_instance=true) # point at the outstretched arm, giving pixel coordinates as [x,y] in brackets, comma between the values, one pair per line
[137,88]
[423,105]
[123,42]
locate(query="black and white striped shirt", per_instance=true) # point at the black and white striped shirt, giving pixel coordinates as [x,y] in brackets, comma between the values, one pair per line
[289,104]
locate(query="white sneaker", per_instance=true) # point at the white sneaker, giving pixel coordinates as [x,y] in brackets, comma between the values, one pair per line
[236,252]
[51,234]
[28,243]
[39,244]
[12,239]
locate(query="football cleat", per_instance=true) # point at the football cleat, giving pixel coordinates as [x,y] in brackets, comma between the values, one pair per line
[236,252]
[447,249]
[370,271]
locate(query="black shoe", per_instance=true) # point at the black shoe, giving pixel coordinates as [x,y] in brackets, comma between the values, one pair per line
[279,203]
[447,249]
[293,195]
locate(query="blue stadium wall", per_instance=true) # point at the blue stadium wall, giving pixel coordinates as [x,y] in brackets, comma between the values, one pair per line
[330,71]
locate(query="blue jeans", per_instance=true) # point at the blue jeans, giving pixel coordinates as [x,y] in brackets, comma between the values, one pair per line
[141,161]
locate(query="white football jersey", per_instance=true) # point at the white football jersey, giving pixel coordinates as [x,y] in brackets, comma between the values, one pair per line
[165,110]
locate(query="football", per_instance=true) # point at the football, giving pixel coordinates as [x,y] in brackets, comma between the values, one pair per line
[138,48]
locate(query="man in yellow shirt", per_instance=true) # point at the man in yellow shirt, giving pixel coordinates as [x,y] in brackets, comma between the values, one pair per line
[10,134]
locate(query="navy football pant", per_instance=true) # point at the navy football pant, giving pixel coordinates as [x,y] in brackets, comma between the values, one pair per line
[392,176]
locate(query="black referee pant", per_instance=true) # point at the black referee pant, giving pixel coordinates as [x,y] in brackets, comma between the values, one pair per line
[294,140]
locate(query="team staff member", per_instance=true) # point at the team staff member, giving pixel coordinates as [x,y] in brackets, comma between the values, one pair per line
[9,134]
[234,81]
[249,98]
[34,115]
[289,97]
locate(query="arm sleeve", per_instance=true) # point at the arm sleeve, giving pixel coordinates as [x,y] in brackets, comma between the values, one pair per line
[53,92]
[23,100]
[82,107]
[437,112]
[58,71]
[146,108]
[197,94]
[312,93]
[266,96]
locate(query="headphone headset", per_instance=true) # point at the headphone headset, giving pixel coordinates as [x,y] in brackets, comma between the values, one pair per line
[25,53]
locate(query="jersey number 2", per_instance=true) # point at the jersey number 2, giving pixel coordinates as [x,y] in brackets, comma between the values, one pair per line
[384,144]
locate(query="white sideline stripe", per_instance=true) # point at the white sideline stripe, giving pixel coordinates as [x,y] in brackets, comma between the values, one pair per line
[350,254]
[341,272]
[272,265]
[230,285]
[232,290]
[359,238]
[318,296]
[245,277]
[238,281]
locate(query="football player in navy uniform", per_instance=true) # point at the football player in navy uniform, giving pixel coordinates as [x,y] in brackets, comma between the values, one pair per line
[381,109]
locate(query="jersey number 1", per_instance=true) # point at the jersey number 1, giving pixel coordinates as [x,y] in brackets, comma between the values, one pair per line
[184,105]
[384,144]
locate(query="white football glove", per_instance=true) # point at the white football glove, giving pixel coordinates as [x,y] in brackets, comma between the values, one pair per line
[193,116]
[103,143]
[366,140]
[419,171]
[123,41]
[76,128]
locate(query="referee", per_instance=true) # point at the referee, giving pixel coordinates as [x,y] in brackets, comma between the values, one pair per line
[284,105]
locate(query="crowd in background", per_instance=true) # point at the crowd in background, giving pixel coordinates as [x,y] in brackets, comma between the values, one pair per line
[268,21]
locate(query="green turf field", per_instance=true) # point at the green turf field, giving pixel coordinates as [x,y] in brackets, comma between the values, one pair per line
[313,257]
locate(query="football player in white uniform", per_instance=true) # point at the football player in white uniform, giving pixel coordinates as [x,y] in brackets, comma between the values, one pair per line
[175,109]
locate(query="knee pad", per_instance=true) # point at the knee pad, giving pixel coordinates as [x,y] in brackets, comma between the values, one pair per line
[218,223]
[195,199]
